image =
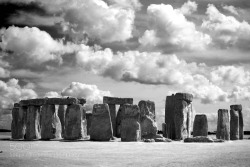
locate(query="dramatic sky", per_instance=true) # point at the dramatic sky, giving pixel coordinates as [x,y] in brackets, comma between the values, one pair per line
[144,49]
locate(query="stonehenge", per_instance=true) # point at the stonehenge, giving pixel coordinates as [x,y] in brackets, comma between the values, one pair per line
[178,110]
[223,125]
[200,125]
[65,118]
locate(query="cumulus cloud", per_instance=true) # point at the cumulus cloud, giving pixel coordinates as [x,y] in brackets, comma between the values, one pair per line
[33,46]
[169,28]
[91,93]
[226,31]
[230,9]
[52,94]
[11,92]
[189,7]
[127,3]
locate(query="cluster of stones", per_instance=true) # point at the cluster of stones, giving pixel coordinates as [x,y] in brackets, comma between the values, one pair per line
[38,119]
[178,111]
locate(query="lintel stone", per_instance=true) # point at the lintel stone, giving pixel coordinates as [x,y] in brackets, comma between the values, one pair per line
[116,100]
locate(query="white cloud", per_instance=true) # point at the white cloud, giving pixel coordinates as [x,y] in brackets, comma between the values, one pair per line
[52,94]
[91,93]
[226,31]
[231,9]
[127,3]
[168,28]
[33,46]
[189,7]
[242,93]
[11,92]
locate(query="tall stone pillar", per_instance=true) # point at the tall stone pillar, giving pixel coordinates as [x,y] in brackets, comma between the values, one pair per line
[182,111]
[50,123]
[147,119]
[89,118]
[73,122]
[223,125]
[169,117]
[236,122]
[18,122]
[200,125]
[119,122]
[61,114]
[130,126]
[33,123]
[101,125]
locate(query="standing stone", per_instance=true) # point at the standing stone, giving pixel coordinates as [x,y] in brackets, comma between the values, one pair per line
[89,118]
[200,125]
[238,108]
[50,123]
[169,117]
[73,122]
[164,129]
[234,123]
[223,125]
[147,119]
[18,124]
[33,123]
[61,114]
[130,126]
[101,125]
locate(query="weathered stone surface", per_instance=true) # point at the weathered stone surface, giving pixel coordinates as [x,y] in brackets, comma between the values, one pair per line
[116,100]
[18,123]
[33,123]
[89,118]
[147,119]
[61,114]
[147,108]
[82,101]
[149,140]
[199,139]
[130,126]
[234,123]
[73,122]
[163,139]
[164,129]
[200,125]
[181,122]
[32,102]
[50,123]
[238,107]
[56,101]
[101,125]
[119,122]
[223,125]
[184,96]
[169,117]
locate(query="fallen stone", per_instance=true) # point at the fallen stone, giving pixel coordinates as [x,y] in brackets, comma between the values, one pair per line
[130,126]
[223,125]
[234,123]
[50,123]
[101,125]
[148,140]
[33,123]
[73,122]
[18,122]
[200,125]
[116,100]
[162,140]
[199,139]
[61,114]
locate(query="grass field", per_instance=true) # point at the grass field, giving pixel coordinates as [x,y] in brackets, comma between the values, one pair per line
[115,154]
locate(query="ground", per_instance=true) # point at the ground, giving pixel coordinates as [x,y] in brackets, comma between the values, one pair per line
[108,154]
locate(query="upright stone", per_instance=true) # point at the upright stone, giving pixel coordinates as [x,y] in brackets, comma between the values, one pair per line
[164,129]
[200,125]
[234,122]
[33,123]
[101,125]
[119,122]
[147,119]
[18,124]
[223,125]
[182,113]
[89,118]
[169,117]
[61,114]
[73,122]
[50,123]
[130,126]
[238,108]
